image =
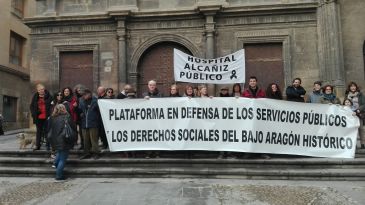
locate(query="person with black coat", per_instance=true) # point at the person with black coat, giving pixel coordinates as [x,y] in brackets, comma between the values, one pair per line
[295,92]
[56,137]
[40,109]
[273,92]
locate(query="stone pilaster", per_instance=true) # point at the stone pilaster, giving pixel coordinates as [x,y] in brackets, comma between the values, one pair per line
[209,31]
[120,17]
[330,45]
[122,52]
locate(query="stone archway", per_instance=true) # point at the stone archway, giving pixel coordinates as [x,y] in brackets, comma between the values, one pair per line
[157,63]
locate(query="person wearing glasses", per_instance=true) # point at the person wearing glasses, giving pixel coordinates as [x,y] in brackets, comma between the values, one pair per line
[109,93]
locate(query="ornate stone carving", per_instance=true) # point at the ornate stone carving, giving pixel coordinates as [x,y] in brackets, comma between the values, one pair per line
[73,28]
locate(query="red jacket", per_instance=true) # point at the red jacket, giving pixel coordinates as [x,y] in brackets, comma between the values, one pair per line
[248,94]
[73,110]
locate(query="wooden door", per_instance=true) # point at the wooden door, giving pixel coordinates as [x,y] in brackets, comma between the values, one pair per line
[76,68]
[157,63]
[265,61]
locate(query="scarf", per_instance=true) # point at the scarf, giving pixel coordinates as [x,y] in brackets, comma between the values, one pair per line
[329,97]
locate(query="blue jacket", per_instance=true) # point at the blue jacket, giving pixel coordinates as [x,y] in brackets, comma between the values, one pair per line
[89,113]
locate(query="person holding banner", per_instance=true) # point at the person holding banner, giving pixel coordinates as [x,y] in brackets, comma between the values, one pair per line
[203,92]
[189,91]
[236,90]
[174,91]
[295,92]
[358,100]
[253,91]
[224,92]
[316,94]
[273,92]
[328,96]
[152,93]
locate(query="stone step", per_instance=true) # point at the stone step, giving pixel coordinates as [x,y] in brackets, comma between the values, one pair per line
[282,163]
[192,172]
[360,153]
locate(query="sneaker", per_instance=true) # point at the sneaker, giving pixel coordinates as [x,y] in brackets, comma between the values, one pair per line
[85,156]
[53,156]
[60,179]
[53,166]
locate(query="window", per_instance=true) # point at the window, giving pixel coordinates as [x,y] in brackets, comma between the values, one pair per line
[17,7]
[9,108]
[16,47]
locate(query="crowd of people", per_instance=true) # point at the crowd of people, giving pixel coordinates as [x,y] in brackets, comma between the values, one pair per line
[79,108]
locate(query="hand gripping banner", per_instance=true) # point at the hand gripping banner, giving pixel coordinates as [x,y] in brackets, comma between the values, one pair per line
[228,69]
[230,124]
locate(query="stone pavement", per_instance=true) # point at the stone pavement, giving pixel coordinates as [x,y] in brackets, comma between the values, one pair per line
[178,191]
[151,191]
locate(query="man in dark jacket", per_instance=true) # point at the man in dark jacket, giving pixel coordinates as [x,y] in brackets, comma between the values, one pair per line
[152,93]
[127,88]
[40,109]
[295,92]
[152,90]
[90,124]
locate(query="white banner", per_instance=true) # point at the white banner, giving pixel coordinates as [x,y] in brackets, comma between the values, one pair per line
[228,69]
[230,124]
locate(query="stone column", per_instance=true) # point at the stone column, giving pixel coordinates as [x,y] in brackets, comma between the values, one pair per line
[209,12]
[122,53]
[210,36]
[51,8]
[330,45]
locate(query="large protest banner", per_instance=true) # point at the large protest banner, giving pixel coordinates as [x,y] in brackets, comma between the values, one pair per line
[228,69]
[230,124]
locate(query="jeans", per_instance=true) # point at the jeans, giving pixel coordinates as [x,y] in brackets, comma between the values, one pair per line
[60,162]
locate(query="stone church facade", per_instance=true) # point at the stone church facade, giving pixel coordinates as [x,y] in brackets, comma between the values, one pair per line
[113,42]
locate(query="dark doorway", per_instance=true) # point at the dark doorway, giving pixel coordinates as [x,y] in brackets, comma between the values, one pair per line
[157,63]
[76,68]
[265,61]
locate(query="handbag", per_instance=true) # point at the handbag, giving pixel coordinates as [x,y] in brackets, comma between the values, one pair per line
[69,133]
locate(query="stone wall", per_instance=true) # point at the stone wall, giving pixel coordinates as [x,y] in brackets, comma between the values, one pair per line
[353,38]
[311,32]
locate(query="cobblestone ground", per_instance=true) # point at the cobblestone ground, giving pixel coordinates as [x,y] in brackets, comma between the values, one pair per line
[30,192]
[179,191]
[280,195]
